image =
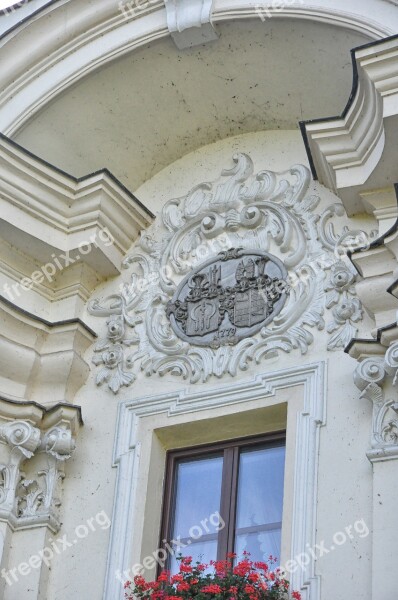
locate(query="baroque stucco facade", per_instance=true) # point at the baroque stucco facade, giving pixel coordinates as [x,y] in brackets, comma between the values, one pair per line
[139,140]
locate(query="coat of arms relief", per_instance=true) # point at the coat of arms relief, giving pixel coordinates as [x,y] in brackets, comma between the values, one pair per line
[228,298]
[238,270]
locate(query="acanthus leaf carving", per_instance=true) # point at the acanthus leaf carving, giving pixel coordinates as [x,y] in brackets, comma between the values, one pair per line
[29,498]
[29,494]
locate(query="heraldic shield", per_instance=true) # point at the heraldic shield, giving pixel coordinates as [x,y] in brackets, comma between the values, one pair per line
[228,298]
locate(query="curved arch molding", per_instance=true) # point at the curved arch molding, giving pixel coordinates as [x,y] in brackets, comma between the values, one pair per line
[82,37]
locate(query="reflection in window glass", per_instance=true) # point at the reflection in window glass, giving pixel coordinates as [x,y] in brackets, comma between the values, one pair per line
[259,502]
[241,485]
[198,496]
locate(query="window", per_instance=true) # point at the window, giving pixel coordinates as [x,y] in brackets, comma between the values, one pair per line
[225,498]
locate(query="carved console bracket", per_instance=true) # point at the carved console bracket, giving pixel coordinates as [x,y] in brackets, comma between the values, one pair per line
[34,446]
[190,22]
[375,374]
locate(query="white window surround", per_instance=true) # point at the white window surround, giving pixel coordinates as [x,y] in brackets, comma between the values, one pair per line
[304,383]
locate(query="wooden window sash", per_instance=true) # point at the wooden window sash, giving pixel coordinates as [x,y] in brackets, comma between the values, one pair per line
[230,450]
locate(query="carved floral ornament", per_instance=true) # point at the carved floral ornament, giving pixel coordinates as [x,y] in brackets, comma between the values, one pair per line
[369,377]
[268,216]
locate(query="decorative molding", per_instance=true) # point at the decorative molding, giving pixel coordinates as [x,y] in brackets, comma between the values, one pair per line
[377,265]
[80,228]
[94,35]
[42,360]
[127,456]
[344,151]
[268,212]
[297,9]
[369,377]
[32,457]
[190,23]
[65,205]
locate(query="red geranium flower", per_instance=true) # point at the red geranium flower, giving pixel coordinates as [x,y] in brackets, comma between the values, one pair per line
[246,580]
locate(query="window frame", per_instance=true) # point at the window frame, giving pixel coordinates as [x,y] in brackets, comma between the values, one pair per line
[231,450]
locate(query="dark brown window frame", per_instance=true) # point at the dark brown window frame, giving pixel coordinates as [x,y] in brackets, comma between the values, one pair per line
[230,450]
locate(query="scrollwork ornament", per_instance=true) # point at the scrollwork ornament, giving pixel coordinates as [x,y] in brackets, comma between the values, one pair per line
[369,371]
[21,435]
[391,362]
[59,443]
[272,213]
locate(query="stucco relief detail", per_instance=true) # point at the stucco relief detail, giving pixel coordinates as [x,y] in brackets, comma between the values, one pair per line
[370,376]
[30,496]
[269,212]
[228,298]
[22,440]
[346,308]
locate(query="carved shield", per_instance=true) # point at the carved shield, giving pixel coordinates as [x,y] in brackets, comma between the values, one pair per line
[202,317]
[250,308]
[228,298]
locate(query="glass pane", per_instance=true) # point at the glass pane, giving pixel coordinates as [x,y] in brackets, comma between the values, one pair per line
[200,551]
[198,498]
[259,502]
[260,545]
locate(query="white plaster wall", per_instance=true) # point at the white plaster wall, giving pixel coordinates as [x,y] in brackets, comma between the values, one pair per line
[344,472]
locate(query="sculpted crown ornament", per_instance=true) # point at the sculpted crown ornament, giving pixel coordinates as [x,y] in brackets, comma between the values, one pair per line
[235,272]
